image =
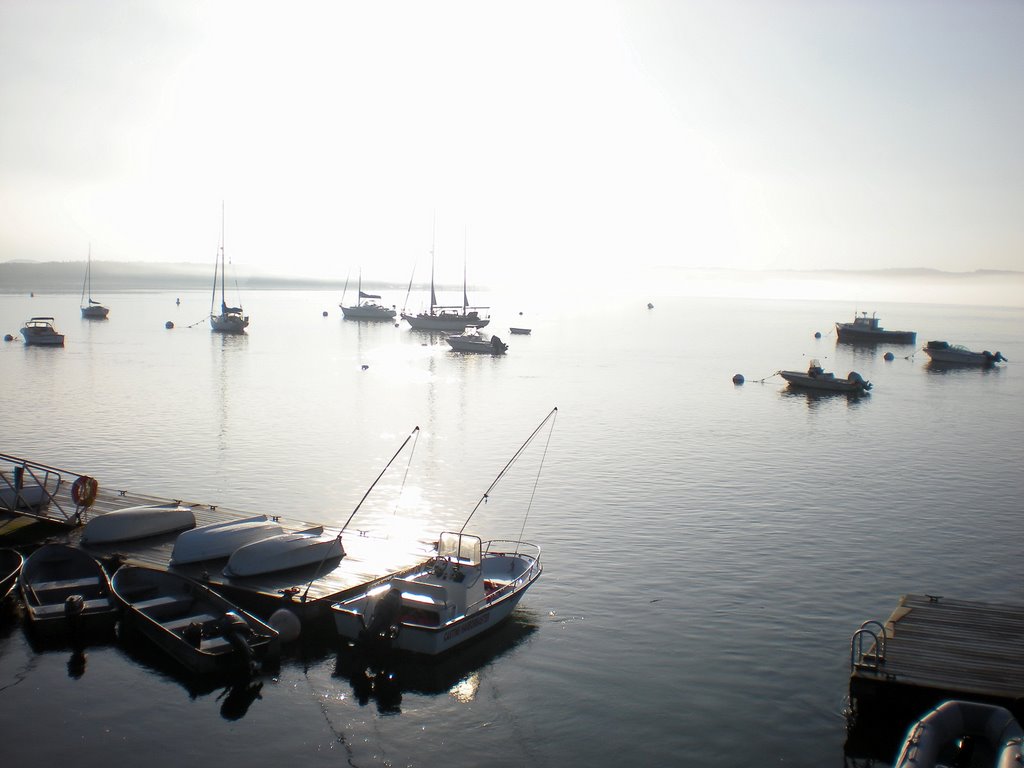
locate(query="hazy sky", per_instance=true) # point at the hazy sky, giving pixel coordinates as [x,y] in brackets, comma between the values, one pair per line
[546,137]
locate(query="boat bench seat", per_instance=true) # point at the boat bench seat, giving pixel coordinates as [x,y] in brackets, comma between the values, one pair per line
[218,644]
[177,625]
[51,610]
[162,601]
[49,586]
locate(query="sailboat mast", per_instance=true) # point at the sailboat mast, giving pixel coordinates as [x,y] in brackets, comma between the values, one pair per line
[433,235]
[87,280]
[223,265]
[465,251]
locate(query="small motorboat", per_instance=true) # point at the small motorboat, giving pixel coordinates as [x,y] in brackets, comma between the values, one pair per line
[519,331]
[866,329]
[471,340]
[466,589]
[39,332]
[66,590]
[284,552]
[219,540]
[140,522]
[11,561]
[196,626]
[817,378]
[944,352]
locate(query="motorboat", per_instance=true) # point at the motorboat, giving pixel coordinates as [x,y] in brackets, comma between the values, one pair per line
[229,319]
[284,552]
[471,340]
[817,378]
[91,309]
[219,540]
[139,522]
[519,331]
[466,589]
[367,306]
[11,561]
[39,332]
[944,352]
[66,590]
[867,329]
[199,628]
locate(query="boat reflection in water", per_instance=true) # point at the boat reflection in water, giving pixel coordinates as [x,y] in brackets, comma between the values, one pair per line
[385,677]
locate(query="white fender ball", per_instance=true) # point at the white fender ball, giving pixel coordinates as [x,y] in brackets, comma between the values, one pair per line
[286,623]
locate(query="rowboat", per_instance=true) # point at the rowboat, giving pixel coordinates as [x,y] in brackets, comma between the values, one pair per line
[219,540]
[284,552]
[66,590]
[196,626]
[138,523]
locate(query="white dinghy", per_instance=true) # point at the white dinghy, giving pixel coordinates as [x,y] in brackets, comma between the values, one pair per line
[219,540]
[284,552]
[138,523]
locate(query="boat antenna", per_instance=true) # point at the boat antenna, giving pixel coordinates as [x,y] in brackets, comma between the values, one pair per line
[511,461]
[316,574]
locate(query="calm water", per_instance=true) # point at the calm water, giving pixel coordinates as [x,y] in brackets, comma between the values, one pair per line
[709,548]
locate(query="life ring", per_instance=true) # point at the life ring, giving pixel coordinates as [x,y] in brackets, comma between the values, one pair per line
[83,491]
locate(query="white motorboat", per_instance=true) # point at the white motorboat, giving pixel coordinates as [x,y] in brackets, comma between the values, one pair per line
[944,352]
[367,306]
[446,317]
[39,332]
[866,329]
[467,589]
[196,626]
[219,540]
[284,552]
[230,319]
[471,340]
[817,378]
[91,310]
[139,522]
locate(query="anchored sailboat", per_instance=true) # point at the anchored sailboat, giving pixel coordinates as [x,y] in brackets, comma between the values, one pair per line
[447,317]
[230,319]
[367,307]
[92,310]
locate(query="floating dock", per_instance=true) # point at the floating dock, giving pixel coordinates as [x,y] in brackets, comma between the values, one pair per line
[308,591]
[930,649]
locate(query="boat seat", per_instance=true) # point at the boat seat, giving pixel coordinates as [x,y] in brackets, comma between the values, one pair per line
[49,586]
[52,610]
[218,644]
[177,625]
[173,601]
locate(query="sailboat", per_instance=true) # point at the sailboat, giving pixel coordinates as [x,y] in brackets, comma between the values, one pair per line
[447,317]
[230,319]
[92,310]
[367,307]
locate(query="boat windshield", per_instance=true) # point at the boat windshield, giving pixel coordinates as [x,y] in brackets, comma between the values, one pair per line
[461,547]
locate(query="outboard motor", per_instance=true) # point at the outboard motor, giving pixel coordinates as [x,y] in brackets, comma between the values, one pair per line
[383,627]
[856,378]
[235,632]
[498,345]
[74,607]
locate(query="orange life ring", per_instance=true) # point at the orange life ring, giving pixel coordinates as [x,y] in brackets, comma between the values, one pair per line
[83,492]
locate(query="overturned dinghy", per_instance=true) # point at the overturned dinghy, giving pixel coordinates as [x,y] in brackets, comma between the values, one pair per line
[953,720]
[284,552]
[212,542]
[140,522]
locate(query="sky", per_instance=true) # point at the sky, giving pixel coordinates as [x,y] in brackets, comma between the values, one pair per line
[527,140]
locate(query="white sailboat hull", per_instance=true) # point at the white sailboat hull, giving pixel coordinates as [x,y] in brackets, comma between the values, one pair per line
[368,312]
[445,321]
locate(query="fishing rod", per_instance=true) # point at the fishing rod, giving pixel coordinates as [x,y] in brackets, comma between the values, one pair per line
[511,461]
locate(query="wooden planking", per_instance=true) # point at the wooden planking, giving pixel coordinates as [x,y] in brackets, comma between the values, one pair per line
[955,645]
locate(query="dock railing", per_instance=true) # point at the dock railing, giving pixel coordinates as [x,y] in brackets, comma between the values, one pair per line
[35,490]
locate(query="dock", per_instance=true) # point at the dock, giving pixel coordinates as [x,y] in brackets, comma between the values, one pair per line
[307,591]
[930,649]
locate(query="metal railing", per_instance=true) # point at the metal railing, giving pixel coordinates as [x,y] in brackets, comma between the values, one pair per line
[31,489]
[858,656]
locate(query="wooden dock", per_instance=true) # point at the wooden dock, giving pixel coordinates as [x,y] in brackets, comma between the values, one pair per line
[931,649]
[368,558]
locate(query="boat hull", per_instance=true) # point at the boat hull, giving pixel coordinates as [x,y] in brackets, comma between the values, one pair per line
[95,313]
[445,321]
[11,562]
[283,552]
[845,332]
[940,352]
[229,323]
[138,523]
[370,312]
[195,626]
[476,346]
[35,338]
[219,540]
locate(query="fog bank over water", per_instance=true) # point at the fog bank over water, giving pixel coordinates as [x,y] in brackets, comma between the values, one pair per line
[863,289]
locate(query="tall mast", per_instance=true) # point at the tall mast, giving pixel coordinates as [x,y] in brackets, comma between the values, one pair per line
[465,296]
[433,234]
[223,265]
